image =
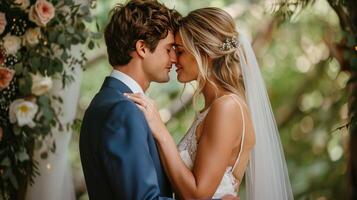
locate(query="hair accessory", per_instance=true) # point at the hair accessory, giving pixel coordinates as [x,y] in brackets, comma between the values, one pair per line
[229,44]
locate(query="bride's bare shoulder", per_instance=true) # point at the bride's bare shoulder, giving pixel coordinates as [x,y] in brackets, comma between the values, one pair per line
[228,105]
[226,111]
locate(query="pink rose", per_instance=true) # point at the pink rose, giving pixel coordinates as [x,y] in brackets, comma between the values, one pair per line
[42,12]
[6,76]
[2,22]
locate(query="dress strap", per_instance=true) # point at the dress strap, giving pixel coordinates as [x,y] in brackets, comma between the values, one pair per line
[241,147]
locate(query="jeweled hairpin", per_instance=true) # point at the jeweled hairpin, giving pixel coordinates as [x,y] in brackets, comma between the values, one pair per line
[229,44]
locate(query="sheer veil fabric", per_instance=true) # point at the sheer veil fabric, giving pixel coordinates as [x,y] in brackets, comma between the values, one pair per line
[267,175]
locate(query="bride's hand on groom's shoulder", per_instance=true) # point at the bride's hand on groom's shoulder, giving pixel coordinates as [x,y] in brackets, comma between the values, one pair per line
[151,113]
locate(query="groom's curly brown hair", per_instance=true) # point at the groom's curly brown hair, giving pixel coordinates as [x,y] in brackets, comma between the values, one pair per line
[146,20]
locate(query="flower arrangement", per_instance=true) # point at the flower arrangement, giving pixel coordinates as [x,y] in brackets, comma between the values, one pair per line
[36,37]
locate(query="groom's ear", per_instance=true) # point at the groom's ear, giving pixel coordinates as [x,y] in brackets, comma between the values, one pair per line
[141,48]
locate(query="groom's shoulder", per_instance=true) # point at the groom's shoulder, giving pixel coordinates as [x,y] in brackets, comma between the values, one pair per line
[114,103]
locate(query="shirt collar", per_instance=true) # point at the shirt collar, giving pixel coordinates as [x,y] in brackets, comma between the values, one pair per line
[127,80]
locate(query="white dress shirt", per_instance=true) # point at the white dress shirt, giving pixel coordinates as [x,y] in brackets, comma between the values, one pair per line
[127,80]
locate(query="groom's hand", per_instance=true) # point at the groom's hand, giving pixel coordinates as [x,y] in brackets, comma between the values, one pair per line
[230,197]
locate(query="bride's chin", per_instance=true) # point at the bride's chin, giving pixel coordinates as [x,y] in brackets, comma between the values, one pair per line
[181,80]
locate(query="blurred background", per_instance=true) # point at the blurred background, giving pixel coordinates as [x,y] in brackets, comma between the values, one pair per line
[305,84]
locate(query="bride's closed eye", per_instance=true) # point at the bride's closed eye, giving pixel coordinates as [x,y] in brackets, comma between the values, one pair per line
[179,51]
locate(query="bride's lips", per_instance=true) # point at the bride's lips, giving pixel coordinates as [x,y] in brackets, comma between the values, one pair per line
[178,68]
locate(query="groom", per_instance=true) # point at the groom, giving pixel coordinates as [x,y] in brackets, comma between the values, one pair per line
[118,153]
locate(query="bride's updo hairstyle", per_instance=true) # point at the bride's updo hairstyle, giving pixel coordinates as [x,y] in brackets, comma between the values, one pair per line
[210,33]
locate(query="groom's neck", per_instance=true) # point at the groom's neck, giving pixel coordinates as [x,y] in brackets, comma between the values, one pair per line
[135,73]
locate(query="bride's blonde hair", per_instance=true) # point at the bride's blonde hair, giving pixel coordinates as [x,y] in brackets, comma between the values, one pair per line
[203,32]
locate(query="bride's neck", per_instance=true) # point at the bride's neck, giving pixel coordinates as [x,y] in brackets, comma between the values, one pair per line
[210,93]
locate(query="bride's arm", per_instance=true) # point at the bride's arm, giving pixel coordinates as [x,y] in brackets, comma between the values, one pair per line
[214,151]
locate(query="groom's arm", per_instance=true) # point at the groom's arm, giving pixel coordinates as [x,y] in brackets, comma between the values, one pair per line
[127,160]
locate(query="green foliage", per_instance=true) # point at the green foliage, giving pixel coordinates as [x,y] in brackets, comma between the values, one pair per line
[48,57]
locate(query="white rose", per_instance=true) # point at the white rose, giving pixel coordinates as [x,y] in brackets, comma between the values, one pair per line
[11,44]
[23,112]
[40,84]
[3,22]
[32,36]
[23,3]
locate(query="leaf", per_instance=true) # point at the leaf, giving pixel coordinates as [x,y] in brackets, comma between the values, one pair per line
[44,101]
[53,148]
[353,62]
[25,86]
[81,27]
[23,156]
[58,65]
[17,130]
[64,56]
[18,68]
[97,25]
[38,144]
[53,36]
[48,114]
[351,41]
[44,155]
[96,35]
[61,39]
[6,162]
[88,19]
[70,30]
[13,180]
[91,45]
[85,9]
[35,63]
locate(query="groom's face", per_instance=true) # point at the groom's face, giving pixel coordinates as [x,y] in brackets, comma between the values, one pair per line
[157,65]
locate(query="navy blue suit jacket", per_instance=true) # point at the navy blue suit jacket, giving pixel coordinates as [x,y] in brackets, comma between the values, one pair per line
[119,156]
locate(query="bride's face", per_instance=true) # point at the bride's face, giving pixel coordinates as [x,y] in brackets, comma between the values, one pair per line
[186,66]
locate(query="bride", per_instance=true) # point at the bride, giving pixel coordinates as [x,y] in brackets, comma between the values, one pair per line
[236,133]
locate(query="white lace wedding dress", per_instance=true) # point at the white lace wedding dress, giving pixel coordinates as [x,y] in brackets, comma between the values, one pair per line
[188,147]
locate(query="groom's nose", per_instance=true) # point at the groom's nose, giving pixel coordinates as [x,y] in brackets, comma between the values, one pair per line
[173,56]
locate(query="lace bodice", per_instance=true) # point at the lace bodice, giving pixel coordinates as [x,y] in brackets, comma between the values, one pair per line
[188,147]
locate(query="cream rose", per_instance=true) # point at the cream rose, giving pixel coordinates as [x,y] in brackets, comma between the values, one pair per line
[23,112]
[3,22]
[40,84]
[42,12]
[32,36]
[23,3]
[11,44]
[6,76]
